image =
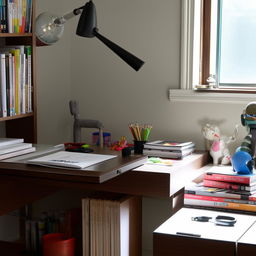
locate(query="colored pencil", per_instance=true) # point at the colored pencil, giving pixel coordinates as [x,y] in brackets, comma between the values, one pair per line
[140,132]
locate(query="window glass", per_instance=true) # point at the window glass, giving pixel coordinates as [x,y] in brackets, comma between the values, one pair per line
[237,42]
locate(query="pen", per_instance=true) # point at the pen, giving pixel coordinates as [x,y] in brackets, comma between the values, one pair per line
[187,234]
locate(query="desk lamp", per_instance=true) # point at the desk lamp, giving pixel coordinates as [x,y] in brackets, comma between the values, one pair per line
[49,29]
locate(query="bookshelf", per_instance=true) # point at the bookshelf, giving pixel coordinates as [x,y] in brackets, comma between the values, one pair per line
[23,125]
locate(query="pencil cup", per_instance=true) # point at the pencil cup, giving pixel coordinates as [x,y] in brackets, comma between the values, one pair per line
[126,151]
[56,244]
[138,146]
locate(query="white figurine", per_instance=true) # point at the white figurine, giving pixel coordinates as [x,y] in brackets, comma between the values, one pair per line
[219,150]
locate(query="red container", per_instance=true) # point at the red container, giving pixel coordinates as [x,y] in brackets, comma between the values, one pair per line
[56,244]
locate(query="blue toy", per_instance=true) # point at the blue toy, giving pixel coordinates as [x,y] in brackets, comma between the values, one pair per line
[242,162]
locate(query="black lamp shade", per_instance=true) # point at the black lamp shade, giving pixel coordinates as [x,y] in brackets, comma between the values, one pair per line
[87,27]
[129,58]
[88,21]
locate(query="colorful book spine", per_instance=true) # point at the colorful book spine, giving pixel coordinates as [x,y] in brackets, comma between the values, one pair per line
[22,83]
[15,80]
[28,50]
[14,84]
[224,193]
[16,53]
[1,16]
[7,76]
[15,16]
[10,15]
[3,85]
[4,16]
[216,204]
[226,185]
[23,17]
[11,91]
[28,16]
[229,178]
[219,199]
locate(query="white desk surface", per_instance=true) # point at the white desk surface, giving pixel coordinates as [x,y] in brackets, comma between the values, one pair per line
[249,237]
[182,222]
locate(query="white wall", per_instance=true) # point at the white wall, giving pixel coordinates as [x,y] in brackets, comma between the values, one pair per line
[109,90]
[106,87]
[53,82]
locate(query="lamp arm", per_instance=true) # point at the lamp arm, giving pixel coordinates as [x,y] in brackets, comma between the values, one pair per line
[61,20]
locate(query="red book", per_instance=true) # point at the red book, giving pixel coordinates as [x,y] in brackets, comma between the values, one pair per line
[217,202]
[219,199]
[226,174]
[228,185]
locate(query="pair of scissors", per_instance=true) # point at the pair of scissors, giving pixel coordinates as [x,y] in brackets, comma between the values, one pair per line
[77,147]
[220,220]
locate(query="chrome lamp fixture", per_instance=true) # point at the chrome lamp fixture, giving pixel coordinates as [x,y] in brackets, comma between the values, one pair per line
[49,29]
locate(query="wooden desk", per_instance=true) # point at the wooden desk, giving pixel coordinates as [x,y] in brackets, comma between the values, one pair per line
[22,184]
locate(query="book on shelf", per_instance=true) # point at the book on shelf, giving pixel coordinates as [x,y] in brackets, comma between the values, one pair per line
[168,145]
[3,85]
[70,159]
[226,173]
[229,185]
[168,153]
[16,16]
[16,80]
[3,16]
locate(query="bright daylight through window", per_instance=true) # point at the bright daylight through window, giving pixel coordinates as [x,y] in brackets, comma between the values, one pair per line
[218,51]
[228,43]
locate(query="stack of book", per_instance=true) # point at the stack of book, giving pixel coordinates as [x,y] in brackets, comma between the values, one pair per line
[168,149]
[16,80]
[15,16]
[223,188]
[10,147]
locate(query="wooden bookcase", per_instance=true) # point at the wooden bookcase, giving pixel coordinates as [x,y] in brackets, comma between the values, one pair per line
[24,125]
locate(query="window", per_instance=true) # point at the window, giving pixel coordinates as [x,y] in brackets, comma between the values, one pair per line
[229,43]
[218,46]
[233,42]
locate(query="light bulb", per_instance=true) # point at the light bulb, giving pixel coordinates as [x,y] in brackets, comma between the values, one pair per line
[47,30]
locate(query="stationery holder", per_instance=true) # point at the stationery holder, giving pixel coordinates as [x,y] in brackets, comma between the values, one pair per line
[139,146]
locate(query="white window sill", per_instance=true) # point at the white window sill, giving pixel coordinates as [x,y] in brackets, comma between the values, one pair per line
[194,96]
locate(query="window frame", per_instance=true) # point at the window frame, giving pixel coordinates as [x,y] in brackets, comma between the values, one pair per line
[187,92]
[205,53]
